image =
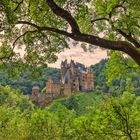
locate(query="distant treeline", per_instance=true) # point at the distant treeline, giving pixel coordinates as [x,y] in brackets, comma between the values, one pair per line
[26,82]
[108,79]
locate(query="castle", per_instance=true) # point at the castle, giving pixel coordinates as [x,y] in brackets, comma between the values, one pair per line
[74,77]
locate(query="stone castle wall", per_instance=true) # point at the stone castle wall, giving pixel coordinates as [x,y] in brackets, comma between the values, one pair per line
[74,78]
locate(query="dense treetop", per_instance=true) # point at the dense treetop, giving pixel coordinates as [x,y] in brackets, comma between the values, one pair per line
[45,26]
[86,116]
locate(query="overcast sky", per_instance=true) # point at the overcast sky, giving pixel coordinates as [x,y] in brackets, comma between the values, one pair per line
[79,55]
[75,53]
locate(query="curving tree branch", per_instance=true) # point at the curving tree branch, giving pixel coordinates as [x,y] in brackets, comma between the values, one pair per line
[94,40]
[46,28]
[77,35]
[129,38]
[65,15]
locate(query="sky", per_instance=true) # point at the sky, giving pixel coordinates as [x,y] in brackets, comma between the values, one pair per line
[79,55]
[75,53]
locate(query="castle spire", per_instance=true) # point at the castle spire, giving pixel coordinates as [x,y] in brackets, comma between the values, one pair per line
[62,64]
[65,63]
[72,63]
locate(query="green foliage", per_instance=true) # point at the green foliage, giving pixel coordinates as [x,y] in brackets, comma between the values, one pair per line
[79,103]
[12,98]
[103,117]
[71,103]
[115,117]
[28,78]
[122,73]
[41,47]
[85,116]
[100,78]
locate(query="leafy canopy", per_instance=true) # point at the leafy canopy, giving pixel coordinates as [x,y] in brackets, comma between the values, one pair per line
[41,28]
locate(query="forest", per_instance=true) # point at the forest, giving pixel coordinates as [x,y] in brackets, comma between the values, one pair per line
[112,110]
[33,32]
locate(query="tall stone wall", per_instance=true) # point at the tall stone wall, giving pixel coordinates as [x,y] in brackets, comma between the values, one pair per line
[56,90]
[67,89]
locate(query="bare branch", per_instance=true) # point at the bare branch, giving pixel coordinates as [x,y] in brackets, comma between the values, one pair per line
[138,26]
[5,57]
[118,6]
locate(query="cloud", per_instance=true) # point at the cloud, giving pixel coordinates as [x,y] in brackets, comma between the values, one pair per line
[79,55]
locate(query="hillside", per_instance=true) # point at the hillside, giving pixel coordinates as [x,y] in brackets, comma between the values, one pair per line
[79,102]
[84,116]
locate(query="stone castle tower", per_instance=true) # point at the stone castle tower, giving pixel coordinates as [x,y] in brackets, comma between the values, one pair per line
[74,77]
[77,75]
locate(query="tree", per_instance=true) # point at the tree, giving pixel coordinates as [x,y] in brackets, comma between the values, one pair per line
[71,103]
[122,74]
[116,118]
[45,26]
